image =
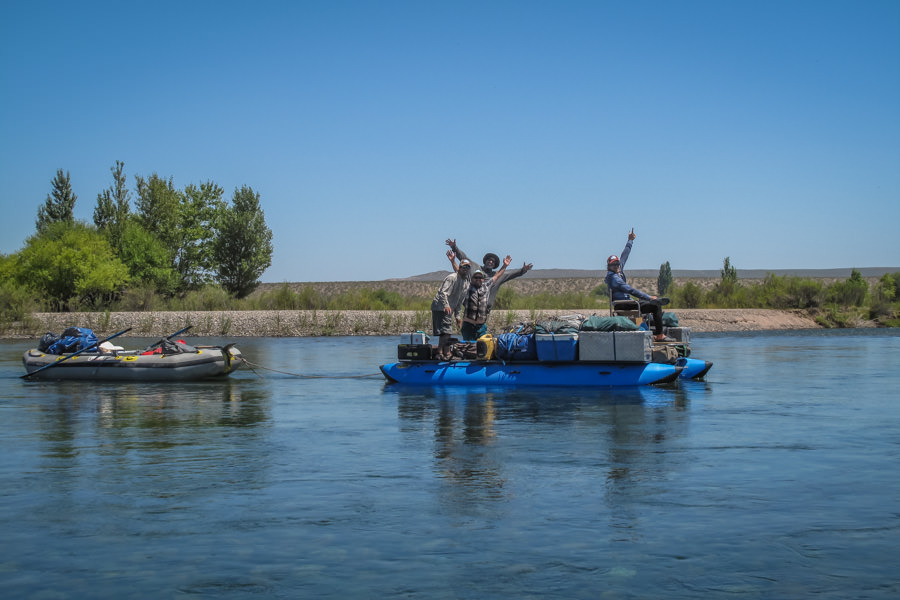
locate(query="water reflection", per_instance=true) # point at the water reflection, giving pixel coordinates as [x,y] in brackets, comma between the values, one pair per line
[152,440]
[481,437]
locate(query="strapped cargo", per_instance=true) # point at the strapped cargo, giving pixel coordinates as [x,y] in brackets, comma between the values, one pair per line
[514,346]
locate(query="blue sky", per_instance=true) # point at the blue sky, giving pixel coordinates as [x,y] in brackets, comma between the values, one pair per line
[765,131]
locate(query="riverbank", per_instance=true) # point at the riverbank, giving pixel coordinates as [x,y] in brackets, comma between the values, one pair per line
[311,323]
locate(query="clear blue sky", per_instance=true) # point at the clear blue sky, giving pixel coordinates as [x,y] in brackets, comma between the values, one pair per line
[767,131]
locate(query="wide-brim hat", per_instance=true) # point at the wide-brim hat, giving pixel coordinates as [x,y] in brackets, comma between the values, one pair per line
[493,256]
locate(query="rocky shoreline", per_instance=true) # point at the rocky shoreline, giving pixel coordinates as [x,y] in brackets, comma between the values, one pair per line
[311,323]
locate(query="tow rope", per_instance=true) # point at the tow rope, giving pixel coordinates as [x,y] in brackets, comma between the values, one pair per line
[251,366]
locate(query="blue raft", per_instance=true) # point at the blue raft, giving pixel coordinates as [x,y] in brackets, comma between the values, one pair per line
[693,368]
[568,374]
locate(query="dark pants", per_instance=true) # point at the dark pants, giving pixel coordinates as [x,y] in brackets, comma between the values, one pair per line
[646,308]
[471,332]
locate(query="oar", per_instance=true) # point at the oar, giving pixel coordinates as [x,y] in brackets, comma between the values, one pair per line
[74,354]
[168,337]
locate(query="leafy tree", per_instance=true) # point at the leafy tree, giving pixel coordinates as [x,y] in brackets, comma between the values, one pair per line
[148,259]
[243,248]
[114,207]
[851,292]
[728,273]
[725,292]
[200,210]
[60,203]
[69,261]
[158,207]
[886,290]
[664,280]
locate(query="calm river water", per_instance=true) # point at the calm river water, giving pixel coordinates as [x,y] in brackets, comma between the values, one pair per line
[775,478]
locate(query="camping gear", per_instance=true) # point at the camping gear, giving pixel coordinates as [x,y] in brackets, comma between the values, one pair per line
[414,351]
[514,346]
[486,345]
[553,347]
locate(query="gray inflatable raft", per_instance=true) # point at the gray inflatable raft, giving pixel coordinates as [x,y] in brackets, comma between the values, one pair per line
[207,362]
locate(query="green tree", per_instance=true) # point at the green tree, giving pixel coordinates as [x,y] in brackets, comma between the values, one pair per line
[728,273]
[114,207]
[148,260]
[70,261]
[886,289]
[664,280]
[243,247]
[200,211]
[851,292]
[60,203]
[158,207]
[691,295]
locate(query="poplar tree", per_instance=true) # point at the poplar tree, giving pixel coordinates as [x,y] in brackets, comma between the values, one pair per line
[200,210]
[158,208]
[243,247]
[664,281]
[114,207]
[60,203]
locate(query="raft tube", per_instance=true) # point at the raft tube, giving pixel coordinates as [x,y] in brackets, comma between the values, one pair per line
[568,374]
[692,368]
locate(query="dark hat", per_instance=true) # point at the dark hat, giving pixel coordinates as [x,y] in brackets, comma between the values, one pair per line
[493,256]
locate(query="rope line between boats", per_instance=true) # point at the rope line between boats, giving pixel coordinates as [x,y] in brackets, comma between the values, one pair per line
[251,366]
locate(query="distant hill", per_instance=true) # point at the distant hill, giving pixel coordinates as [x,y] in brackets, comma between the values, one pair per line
[678,273]
[558,281]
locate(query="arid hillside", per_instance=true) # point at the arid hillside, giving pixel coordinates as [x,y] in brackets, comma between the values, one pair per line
[424,286]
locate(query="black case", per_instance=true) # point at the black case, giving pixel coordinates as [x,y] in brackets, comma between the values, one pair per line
[414,351]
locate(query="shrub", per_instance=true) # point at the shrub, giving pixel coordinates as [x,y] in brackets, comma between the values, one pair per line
[851,292]
[690,295]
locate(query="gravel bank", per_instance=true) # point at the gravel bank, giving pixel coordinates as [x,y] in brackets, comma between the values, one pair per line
[293,323]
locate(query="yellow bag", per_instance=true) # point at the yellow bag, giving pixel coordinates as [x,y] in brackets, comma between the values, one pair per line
[485,347]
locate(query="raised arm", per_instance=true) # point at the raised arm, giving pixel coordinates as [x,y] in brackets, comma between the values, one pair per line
[452,258]
[459,253]
[506,262]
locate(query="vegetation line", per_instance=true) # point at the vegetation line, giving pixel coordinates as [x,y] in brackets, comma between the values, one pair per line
[190,250]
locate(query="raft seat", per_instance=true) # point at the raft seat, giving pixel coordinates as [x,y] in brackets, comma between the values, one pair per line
[625,308]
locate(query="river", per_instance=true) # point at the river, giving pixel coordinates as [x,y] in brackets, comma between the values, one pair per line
[775,478]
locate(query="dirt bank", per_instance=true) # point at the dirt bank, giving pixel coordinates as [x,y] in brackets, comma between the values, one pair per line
[293,323]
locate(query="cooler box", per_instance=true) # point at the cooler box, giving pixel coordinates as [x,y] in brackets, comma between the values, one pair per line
[596,345]
[679,334]
[553,347]
[633,346]
[414,351]
[418,337]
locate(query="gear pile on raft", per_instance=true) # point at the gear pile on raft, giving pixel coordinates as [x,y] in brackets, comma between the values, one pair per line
[636,344]
[77,354]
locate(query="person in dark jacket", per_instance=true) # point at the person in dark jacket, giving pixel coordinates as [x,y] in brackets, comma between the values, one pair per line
[625,297]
